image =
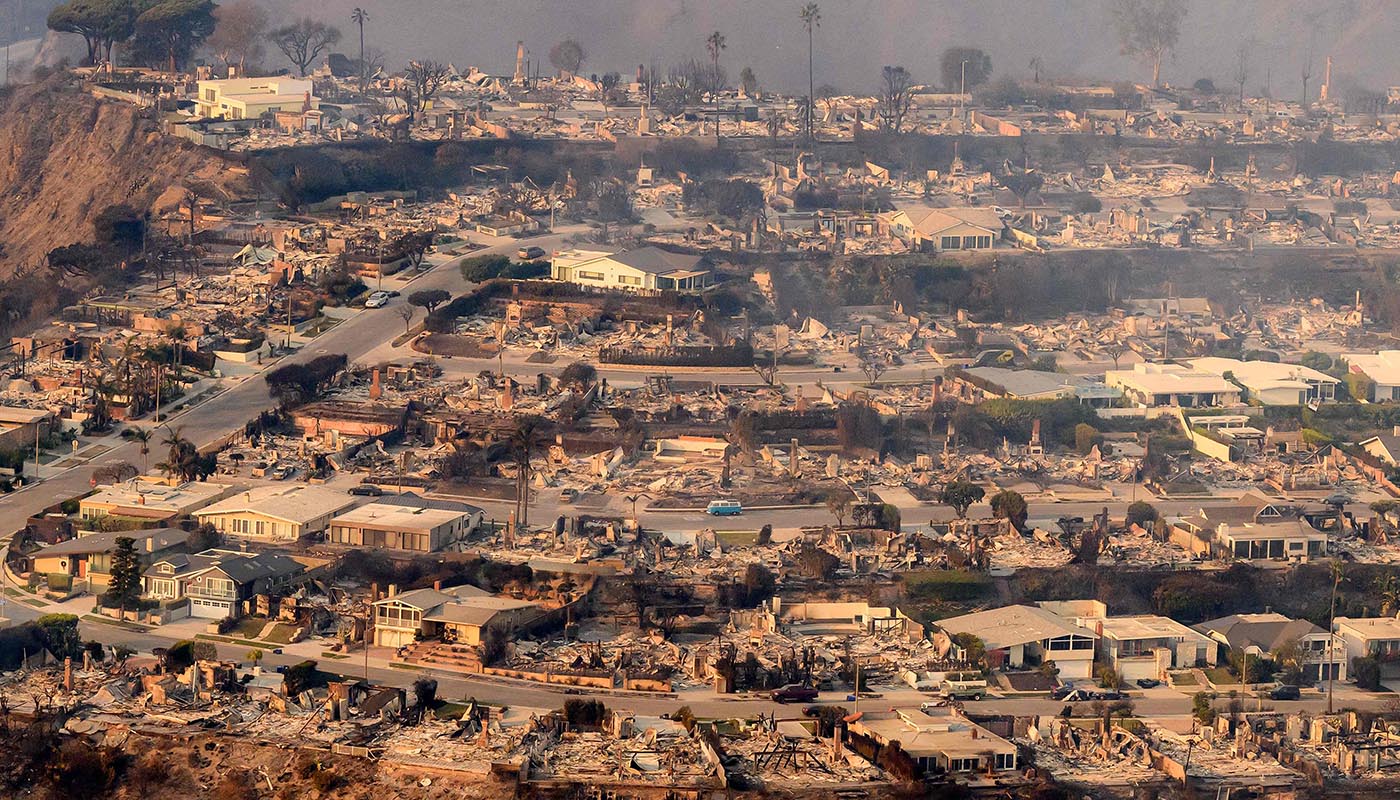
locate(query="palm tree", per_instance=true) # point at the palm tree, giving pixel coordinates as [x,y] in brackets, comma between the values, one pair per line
[811,19]
[1388,589]
[142,436]
[523,440]
[359,16]
[715,44]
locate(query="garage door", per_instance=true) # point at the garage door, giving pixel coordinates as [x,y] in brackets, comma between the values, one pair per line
[208,609]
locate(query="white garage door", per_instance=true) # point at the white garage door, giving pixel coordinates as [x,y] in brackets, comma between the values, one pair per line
[208,609]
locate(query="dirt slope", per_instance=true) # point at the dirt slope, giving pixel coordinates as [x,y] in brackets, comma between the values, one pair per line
[65,156]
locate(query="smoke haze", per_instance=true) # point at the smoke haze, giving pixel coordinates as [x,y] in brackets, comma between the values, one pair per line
[1072,38]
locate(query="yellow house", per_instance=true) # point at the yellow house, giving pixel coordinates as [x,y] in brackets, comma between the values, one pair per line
[276,513]
[250,98]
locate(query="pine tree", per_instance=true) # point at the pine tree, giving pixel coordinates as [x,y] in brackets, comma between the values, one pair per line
[124,589]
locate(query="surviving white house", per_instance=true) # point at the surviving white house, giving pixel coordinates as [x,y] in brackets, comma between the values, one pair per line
[1026,636]
[218,583]
[942,229]
[645,268]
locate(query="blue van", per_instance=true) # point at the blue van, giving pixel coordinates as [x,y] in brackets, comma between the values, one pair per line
[724,508]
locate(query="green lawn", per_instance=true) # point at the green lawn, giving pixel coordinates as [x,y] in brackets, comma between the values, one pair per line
[1221,676]
[737,538]
[1184,679]
[249,627]
[945,584]
[281,633]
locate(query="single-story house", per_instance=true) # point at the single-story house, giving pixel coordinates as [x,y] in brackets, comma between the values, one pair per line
[150,499]
[940,740]
[1255,528]
[1272,383]
[405,523]
[644,268]
[89,557]
[942,229]
[1264,634]
[457,614]
[1382,368]
[1150,384]
[977,384]
[276,513]
[1027,636]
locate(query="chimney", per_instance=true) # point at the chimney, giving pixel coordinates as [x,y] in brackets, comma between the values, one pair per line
[373,592]
[437,586]
[1395,431]
[68,674]
[972,732]
[374,388]
[519,63]
[393,589]
[508,395]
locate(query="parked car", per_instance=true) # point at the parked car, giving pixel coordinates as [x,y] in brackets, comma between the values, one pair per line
[1061,692]
[794,692]
[377,300]
[1285,692]
[1110,694]
[529,253]
[724,508]
[963,690]
[367,490]
[1077,696]
[1148,683]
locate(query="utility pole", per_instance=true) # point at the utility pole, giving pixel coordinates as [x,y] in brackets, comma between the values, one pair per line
[1332,636]
[962,91]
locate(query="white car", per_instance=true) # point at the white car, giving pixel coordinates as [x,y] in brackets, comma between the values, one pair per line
[377,300]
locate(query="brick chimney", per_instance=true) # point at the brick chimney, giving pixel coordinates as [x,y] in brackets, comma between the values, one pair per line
[508,395]
[375,390]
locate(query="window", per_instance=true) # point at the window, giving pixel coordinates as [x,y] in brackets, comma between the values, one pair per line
[969,242]
[962,765]
[948,243]
[1005,760]
[585,275]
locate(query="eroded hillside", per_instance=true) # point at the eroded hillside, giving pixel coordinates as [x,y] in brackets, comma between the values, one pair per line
[66,155]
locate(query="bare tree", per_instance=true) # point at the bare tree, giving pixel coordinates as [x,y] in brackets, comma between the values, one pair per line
[896,94]
[1149,29]
[567,56]
[304,41]
[1242,68]
[426,77]
[406,314]
[607,84]
[1307,76]
[238,36]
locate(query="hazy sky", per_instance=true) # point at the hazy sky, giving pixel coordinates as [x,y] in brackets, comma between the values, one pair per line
[857,37]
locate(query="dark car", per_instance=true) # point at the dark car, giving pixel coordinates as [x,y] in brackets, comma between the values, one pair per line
[1148,683]
[1110,695]
[1061,692]
[812,711]
[530,253]
[1285,693]
[367,490]
[794,692]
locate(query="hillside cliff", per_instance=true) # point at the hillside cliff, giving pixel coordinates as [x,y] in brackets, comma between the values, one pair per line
[66,155]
